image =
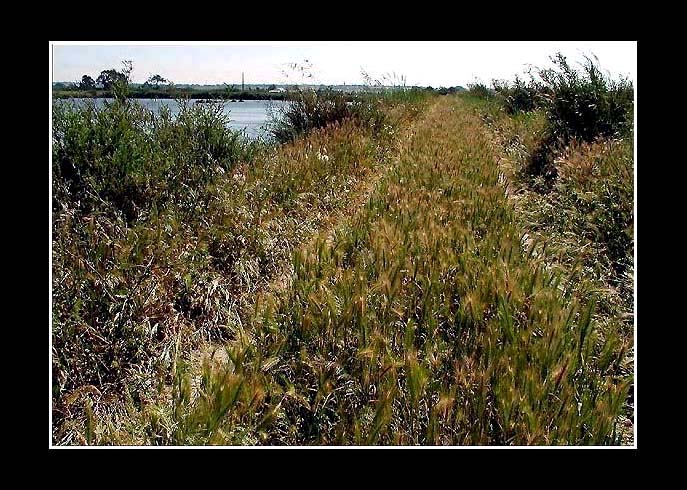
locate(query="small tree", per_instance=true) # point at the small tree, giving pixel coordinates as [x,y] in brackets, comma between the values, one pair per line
[116,81]
[155,81]
[108,78]
[87,83]
[121,85]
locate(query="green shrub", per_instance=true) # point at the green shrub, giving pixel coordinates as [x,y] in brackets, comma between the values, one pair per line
[580,106]
[585,104]
[480,90]
[310,110]
[129,158]
[129,191]
[519,96]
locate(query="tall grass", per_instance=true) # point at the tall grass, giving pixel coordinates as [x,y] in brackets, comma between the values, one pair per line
[424,319]
[425,316]
[589,123]
[163,229]
[592,197]
[586,218]
[581,106]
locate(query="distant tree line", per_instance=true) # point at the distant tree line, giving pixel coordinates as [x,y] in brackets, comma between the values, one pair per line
[108,78]
[107,81]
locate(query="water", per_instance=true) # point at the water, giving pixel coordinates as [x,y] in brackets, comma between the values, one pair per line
[249,116]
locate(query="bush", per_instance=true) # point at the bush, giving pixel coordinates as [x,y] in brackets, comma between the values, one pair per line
[129,158]
[307,111]
[317,109]
[585,105]
[518,97]
[580,106]
[480,90]
[129,190]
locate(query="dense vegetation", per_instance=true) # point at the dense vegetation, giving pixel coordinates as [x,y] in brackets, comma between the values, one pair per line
[310,110]
[580,106]
[129,188]
[377,278]
[578,115]
[160,221]
[580,201]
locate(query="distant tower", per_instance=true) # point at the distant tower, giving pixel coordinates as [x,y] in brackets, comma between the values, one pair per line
[242,87]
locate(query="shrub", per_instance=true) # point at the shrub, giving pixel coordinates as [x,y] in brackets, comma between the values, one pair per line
[307,111]
[580,106]
[518,97]
[130,159]
[480,90]
[585,105]
[128,189]
[317,109]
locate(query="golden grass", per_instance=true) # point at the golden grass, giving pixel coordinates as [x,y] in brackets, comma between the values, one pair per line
[371,289]
[423,321]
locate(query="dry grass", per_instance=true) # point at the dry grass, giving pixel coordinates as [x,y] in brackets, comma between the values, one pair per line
[173,281]
[424,321]
[427,315]
[585,220]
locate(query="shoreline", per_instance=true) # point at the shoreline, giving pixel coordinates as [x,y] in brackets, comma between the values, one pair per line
[172,96]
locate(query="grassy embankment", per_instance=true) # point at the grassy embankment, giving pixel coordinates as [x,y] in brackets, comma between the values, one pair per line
[163,228]
[567,153]
[430,315]
[423,320]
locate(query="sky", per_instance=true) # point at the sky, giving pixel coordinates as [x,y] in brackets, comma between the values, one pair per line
[422,63]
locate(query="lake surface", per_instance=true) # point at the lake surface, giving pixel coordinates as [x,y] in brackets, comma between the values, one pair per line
[249,116]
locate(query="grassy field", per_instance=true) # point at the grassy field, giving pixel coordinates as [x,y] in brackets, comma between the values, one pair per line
[394,273]
[582,226]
